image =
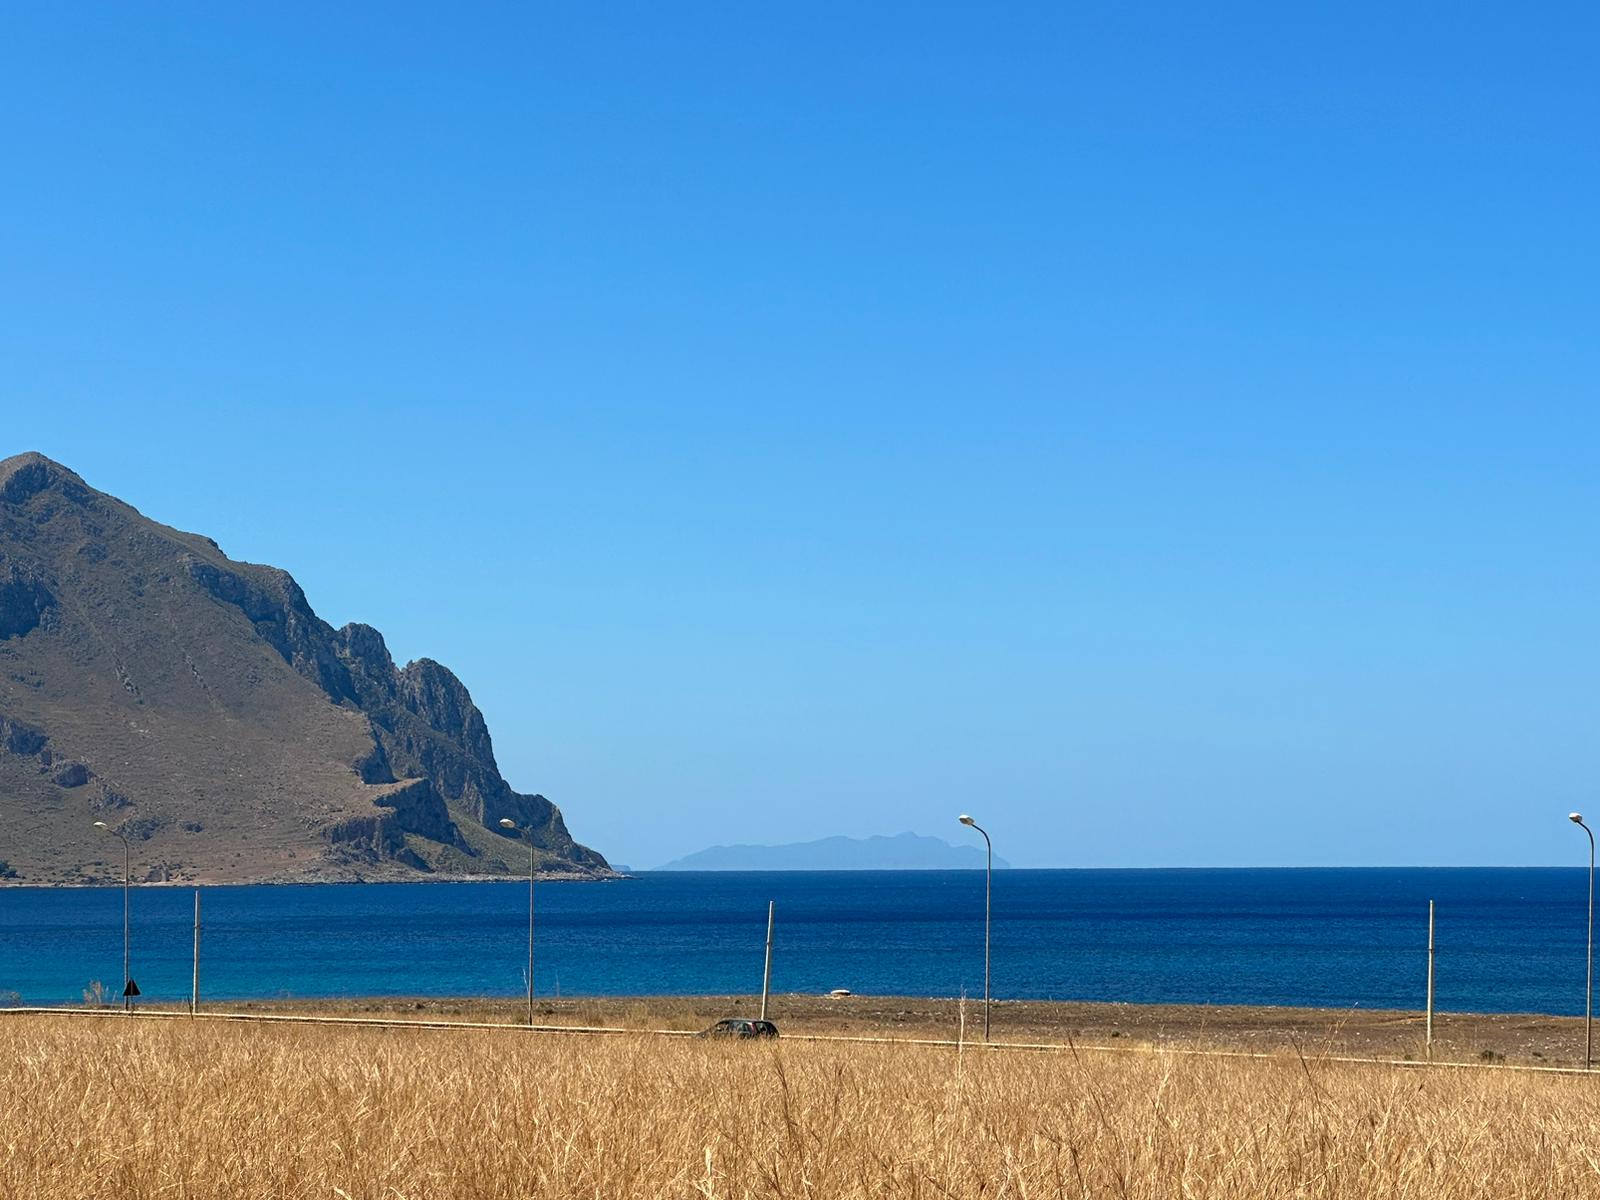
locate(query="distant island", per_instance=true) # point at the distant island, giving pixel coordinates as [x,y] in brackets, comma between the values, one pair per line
[903,852]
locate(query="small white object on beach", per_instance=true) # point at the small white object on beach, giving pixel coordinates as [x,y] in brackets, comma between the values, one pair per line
[840,992]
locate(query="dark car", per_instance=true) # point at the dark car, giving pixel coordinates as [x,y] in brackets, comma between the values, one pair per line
[741,1027]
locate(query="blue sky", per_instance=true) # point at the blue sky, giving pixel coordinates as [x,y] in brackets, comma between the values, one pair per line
[1168,432]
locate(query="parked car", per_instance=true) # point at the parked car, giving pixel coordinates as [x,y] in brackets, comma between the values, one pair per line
[741,1027]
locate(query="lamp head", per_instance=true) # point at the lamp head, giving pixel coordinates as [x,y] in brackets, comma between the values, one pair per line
[966,820]
[101,825]
[507,823]
[1575,818]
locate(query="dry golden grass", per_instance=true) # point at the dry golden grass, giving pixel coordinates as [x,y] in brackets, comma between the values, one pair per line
[109,1107]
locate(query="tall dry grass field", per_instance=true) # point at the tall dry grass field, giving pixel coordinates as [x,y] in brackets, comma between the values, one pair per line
[109,1107]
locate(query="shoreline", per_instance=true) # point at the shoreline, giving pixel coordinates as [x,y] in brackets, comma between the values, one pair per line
[612,875]
[563,877]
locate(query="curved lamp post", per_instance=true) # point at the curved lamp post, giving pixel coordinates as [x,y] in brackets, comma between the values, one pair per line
[127,880]
[527,835]
[1588,998]
[988,889]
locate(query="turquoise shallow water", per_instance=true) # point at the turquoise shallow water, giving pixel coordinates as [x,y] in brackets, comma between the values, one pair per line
[1509,940]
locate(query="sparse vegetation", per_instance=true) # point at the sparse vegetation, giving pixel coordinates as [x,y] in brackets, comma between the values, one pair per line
[102,1106]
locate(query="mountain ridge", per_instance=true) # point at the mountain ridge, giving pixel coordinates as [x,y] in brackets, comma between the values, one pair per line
[899,852]
[201,705]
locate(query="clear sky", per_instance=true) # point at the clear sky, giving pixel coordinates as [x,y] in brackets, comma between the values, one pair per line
[1168,432]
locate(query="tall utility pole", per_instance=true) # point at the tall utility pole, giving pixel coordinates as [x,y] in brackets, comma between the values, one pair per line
[1588,990]
[988,892]
[766,971]
[129,990]
[527,835]
[1430,978]
[194,993]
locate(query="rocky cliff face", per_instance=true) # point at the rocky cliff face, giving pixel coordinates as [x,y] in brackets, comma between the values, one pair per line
[200,705]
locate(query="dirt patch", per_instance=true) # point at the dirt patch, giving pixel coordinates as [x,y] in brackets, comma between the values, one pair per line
[1458,1037]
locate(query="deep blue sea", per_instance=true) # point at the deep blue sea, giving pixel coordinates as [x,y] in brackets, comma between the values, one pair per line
[1509,940]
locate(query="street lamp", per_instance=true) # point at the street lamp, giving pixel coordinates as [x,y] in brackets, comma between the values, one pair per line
[988,889]
[527,835]
[1588,998]
[128,990]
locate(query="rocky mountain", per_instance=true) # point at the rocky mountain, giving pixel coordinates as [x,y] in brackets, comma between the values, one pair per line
[903,852]
[200,706]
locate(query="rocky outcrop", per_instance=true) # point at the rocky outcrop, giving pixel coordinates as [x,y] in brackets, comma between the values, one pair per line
[203,705]
[26,475]
[425,724]
[20,738]
[412,807]
[282,618]
[24,601]
[70,774]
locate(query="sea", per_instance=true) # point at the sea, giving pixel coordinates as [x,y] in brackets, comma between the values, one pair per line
[1507,940]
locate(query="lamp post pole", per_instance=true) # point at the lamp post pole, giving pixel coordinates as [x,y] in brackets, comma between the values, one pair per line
[527,836]
[766,970]
[127,883]
[988,892]
[1588,994]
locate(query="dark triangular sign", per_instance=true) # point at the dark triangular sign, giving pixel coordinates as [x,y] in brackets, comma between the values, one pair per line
[131,990]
